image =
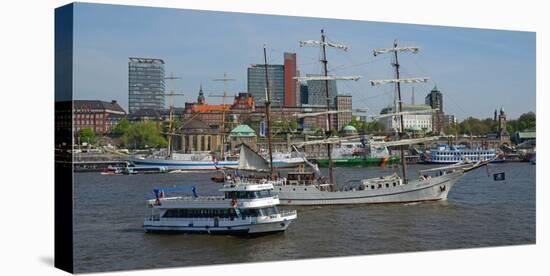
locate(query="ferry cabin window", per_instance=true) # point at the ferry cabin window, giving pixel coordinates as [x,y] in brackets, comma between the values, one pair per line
[248,195]
[199,213]
[259,212]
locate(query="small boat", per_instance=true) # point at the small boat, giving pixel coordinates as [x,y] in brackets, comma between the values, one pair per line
[218,178]
[247,208]
[113,171]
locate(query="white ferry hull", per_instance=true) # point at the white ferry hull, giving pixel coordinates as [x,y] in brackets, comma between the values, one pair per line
[432,189]
[225,227]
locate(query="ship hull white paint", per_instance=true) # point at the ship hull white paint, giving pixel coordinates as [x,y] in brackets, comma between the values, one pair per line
[436,188]
[232,227]
[202,165]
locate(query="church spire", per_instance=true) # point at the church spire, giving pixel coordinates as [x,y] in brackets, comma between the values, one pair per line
[201,99]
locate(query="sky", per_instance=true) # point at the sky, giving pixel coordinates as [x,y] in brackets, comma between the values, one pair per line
[477,70]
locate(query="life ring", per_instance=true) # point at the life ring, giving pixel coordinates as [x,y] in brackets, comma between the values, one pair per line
[234,203]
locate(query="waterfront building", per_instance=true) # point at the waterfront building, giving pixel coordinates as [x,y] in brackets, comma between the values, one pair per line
[196,135]
[316,90]
[344,107]
[256,82]
[99,116]
[524,136]
[146,115]
[435,99]
[415,122]
[438,122]
[212,114]
[502,133]
[242,134]
[292,93]
[449,120]
[145,84]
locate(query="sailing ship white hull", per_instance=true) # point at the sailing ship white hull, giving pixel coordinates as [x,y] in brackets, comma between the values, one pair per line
[431,189]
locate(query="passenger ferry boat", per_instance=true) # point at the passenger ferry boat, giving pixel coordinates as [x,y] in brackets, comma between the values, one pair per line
[445,154]
[248,207]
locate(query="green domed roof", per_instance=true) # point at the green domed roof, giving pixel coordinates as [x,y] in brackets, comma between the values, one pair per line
[350,128]
[243,131]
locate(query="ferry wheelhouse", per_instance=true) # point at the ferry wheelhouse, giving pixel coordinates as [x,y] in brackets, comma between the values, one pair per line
[445,154]
[246,208]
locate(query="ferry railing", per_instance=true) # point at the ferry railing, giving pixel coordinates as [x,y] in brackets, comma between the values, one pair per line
[201,219]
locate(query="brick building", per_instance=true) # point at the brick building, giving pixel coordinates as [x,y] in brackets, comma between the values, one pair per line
[99,116]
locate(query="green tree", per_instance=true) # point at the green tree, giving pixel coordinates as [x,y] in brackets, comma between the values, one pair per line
[142,135]
[527,121]
[86,135]
[121,127]
[375,126]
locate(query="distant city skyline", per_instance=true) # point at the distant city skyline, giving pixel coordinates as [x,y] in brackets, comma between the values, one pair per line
[476,70]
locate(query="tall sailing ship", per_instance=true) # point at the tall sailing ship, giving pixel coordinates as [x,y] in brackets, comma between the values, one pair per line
[309,188]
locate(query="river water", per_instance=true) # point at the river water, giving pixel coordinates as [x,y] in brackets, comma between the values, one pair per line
[479,212]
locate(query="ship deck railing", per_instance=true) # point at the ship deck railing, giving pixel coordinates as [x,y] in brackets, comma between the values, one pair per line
[176,200]
[248,219]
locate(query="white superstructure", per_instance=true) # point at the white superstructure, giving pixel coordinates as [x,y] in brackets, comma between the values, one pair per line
[247,207]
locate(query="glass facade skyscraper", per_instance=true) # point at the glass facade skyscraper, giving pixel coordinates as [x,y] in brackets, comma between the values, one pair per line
[145,84]
[316,90]
[256,83]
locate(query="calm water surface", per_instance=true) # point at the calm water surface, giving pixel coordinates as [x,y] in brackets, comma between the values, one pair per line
[479,212]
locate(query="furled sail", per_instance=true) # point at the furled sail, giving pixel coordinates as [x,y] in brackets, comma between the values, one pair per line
[403,142]
[251,161]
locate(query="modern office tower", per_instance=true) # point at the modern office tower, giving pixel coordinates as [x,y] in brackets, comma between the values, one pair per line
[317,91]
[145,84]
[292,94]
[435,99]
[344,107]
[256,83]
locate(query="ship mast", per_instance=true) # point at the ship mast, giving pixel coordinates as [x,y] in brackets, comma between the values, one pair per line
[267,115]
[222,128]
[328,132]
[171,95]
[398,82]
